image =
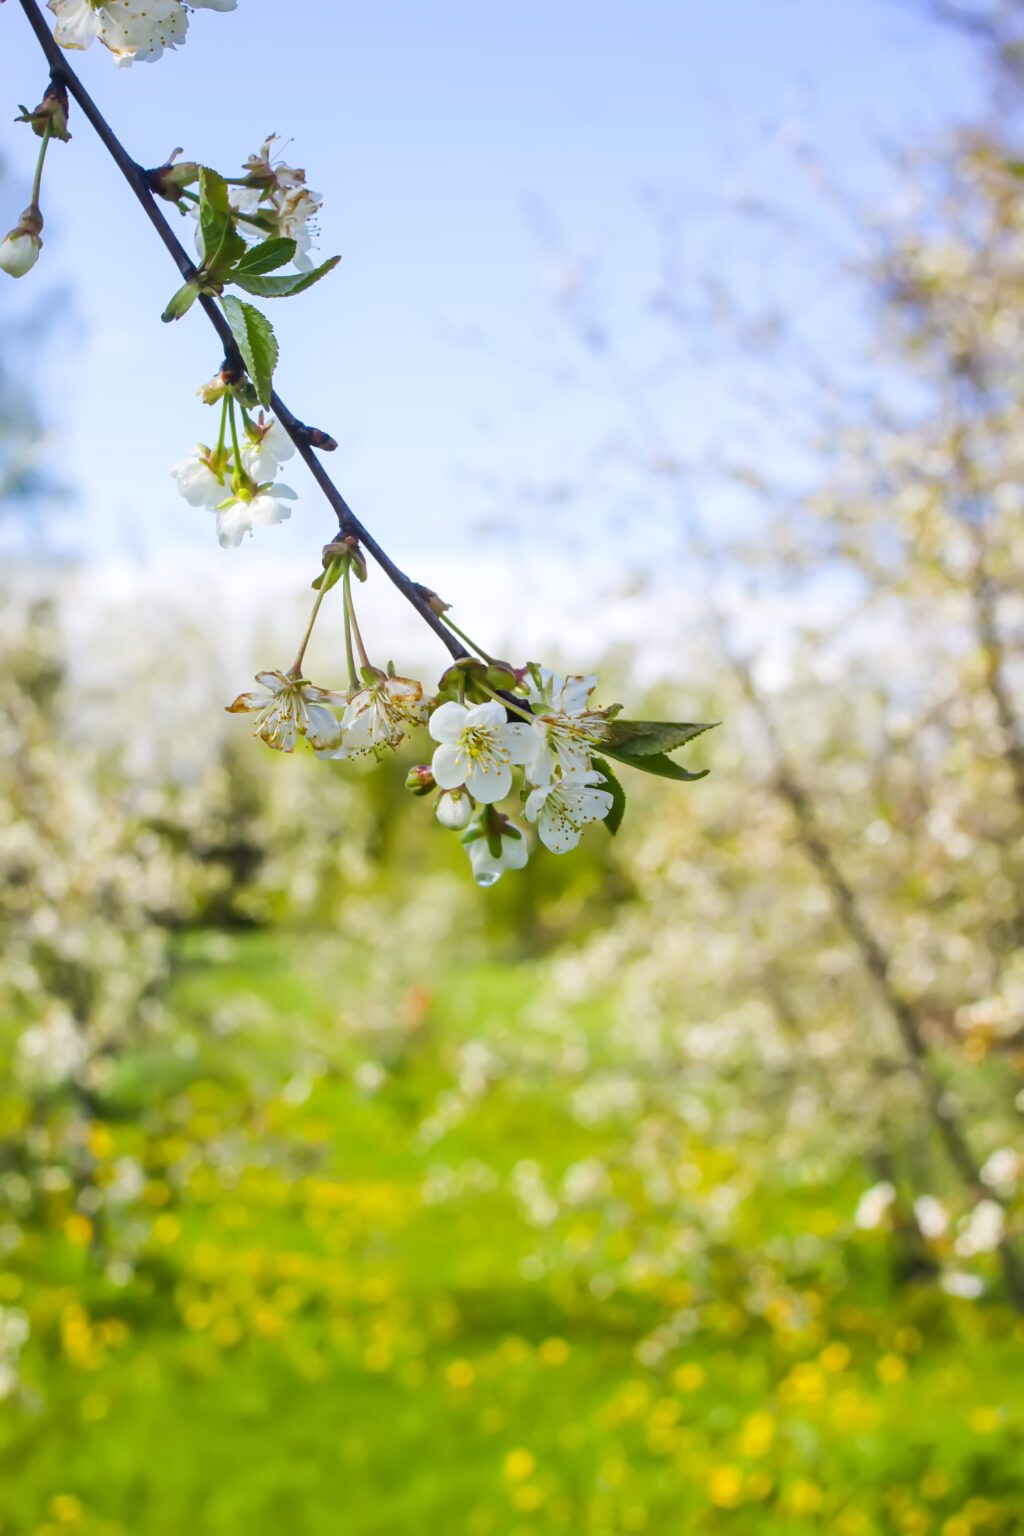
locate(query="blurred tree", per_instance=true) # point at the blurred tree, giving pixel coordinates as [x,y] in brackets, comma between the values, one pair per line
[860,871]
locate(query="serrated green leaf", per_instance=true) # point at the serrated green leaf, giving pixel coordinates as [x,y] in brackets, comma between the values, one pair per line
[221,243]
[654,762]
[283,287]
[613,821]
[266,257]
[257,343]
[643,738]
[181,302]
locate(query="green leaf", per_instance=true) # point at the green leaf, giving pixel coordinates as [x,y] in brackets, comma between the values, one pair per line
[643,738]
[266,257]
[654,762]
[181,302]
[257,343]
[283,287]
[613,821]
[222,245]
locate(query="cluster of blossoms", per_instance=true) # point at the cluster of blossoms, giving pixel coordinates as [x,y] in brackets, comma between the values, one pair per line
[131,29]
[485,747]
[237,479]
[501,733]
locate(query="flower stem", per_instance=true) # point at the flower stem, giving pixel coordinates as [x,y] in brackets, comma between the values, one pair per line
[229,401]
[223,427]
[350,609]
[38,178]
[353,680]
[296,666]
[463,636]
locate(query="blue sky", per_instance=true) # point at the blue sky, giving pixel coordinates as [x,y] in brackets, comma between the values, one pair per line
[467,156]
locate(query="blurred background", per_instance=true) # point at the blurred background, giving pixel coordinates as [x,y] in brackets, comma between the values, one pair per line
[672,1186]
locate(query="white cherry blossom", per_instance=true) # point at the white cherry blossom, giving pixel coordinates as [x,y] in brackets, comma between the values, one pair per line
[290,707]
[379,716]
[478,747]
[565,727]
[564,807]
[267,447]
[198,478]
[265,506]
[131,29]
[488,868]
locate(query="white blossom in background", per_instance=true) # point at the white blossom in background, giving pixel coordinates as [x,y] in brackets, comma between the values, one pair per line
[930,1215]
[1002,1170]
[874,1206]
[982,1230]
[565,806]
[957,1283]
[288,708]
[478,747]
[487,867]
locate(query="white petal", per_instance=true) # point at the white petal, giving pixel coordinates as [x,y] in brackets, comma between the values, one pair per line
[514,852]
[535,803]
[490,713]
[323,729]
[556,830]
[487,784]
[486,868]
[448,722]
[447,767]
[517,739]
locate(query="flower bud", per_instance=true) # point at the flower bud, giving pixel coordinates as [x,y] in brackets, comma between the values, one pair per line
[168,179]
[454,809]
[435,603]
[51,112]
[420,780]
[19,252]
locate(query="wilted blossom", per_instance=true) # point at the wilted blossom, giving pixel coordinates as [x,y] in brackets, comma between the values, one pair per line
[290,708]
[380,715]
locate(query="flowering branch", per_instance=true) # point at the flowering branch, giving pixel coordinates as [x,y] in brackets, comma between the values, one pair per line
[302,436]
[553,756]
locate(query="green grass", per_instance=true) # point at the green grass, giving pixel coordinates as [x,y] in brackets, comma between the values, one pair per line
[303,1342]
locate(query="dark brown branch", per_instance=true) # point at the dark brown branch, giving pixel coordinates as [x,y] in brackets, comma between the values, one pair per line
[137,179]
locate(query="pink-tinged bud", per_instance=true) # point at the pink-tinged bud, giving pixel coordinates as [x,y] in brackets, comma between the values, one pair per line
[420,780]
[455,809]
[19,252]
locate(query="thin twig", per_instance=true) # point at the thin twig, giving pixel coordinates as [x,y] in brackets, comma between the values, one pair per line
[137,178]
